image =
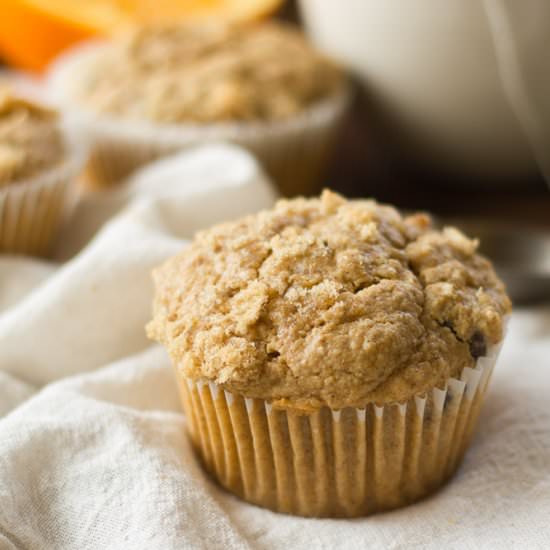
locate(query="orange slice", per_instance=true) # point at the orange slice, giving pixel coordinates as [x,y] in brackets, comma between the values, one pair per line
[33,32]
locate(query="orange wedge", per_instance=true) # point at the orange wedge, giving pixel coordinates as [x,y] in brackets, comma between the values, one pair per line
[33,32]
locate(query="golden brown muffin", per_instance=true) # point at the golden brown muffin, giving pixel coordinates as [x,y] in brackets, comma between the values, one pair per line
[30,139]
[179,72]
[166,87]
[328,302]
[332,355]
[39,159]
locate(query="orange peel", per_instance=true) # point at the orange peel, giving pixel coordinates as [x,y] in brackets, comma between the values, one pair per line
[33,32]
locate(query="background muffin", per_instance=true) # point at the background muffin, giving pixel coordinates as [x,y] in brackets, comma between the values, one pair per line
[260,86]
[342,334]
[37,163]
[30,139]
[209,73]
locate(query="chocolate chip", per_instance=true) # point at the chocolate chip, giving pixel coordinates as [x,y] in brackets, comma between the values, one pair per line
[273,355]
[478,345]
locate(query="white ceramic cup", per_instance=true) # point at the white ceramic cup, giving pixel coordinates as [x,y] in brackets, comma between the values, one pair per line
[466,84]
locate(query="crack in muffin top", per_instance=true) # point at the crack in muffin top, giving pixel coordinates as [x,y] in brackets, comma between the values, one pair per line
[212,72]
[30,138]
[328,302]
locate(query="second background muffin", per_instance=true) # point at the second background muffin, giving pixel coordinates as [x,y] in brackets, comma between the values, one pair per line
[162,88]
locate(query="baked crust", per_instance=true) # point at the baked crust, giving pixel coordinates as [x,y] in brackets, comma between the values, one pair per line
[173,73]
[328,302]
[30,139]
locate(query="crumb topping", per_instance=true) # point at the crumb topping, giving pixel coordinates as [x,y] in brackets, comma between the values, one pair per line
[328,302]
[30,138]
[175,73]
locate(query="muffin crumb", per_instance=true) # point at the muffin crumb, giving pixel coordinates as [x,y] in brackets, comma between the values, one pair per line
[30,138]
[213,72]
[328,302]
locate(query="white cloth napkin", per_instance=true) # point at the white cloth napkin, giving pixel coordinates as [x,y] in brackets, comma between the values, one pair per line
[93,450]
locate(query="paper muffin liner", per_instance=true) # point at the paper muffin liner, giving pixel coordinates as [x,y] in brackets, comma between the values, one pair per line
[32,210]
[335,463]
[294,152]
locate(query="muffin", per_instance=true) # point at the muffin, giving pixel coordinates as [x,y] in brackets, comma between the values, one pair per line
[332,355]
[37,163]
[164,87]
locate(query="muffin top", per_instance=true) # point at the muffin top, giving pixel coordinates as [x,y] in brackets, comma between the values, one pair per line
[30,139]
[328,302]
[213,72]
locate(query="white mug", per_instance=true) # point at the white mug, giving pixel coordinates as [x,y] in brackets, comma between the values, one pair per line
[466,83]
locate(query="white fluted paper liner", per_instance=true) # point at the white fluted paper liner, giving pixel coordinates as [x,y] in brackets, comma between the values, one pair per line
[294,151]
[335,463]
[32,210]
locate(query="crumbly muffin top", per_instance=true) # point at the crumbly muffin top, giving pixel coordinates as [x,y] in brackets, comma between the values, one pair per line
[30,138]
[328,302]
[174,73]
